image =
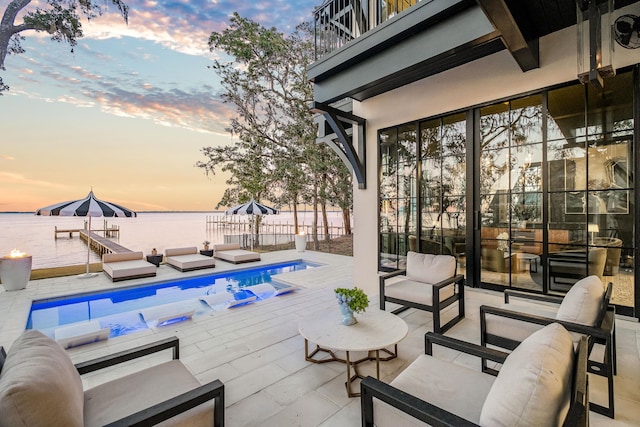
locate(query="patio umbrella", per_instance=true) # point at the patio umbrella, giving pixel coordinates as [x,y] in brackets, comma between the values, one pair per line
[251,208]
[89,206]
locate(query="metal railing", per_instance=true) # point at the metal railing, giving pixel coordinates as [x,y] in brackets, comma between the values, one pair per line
[337,22]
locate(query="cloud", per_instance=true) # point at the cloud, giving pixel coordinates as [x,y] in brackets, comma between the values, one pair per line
[19,179]
[6,157]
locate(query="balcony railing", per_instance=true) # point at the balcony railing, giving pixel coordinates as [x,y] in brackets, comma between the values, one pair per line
[337,22]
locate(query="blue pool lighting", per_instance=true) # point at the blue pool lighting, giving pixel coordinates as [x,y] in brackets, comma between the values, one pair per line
[79,318]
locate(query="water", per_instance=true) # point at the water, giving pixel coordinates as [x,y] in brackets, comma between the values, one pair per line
[122,310]
[35,234]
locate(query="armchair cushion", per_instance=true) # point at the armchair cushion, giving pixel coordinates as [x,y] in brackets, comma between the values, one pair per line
[429,268]
[438,382]
[583,302]
[533,386]
[39,385]
[153,385]
[411,290]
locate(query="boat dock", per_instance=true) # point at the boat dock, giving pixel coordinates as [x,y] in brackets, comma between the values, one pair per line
[229,222]
[100,244]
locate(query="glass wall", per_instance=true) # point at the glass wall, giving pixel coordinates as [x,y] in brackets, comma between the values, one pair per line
[555,191]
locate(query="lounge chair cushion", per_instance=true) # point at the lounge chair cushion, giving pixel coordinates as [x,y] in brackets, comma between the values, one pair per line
[582,303]
[180,251]
[429,268]
[438,382]
[107,402]
[533,387]
[233,253]
[39,385]
[122,256]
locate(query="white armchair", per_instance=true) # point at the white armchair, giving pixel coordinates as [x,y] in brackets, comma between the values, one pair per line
[429,283]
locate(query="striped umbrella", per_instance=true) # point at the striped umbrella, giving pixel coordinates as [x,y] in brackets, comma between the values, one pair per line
[251,208]
[89,206]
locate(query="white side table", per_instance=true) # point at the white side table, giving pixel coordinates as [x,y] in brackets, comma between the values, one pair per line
[15,272]
[375,331]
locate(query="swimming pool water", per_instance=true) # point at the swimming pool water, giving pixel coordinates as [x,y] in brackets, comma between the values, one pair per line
[119,309]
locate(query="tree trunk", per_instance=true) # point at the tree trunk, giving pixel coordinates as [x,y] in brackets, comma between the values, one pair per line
[314,231]
[295,215]
[325,222]
[346,220]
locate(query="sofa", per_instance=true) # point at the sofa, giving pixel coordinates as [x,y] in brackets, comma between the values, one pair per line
[127,265]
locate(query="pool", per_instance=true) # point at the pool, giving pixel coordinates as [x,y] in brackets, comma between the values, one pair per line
[117,312]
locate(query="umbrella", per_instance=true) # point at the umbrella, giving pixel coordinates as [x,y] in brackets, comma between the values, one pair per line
[251,208]
[89,206]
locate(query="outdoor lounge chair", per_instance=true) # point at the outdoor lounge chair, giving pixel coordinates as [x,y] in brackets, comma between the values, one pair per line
[584,310]
[232,252]
[543,382]
[430,283]
[127,265]
[40,386]
[187,259]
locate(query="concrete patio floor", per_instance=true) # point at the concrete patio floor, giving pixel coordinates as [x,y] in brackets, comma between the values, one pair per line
[258,353]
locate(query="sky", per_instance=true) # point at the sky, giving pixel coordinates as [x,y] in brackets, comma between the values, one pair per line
[128,111]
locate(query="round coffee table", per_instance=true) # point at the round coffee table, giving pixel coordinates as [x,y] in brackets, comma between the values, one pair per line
[375,331]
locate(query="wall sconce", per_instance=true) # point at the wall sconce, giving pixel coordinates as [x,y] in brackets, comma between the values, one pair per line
[595,41]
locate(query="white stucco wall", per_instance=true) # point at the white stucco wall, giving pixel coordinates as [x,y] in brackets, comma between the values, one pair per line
[487,79]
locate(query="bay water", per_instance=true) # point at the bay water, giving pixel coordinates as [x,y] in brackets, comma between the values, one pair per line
[35,235]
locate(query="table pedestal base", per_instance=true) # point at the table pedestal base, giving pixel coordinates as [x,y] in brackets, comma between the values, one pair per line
[371,355]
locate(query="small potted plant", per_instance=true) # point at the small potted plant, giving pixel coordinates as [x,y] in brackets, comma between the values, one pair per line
[206,245]
[351,300]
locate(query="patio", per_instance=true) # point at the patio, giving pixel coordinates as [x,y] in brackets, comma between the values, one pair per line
[259,355]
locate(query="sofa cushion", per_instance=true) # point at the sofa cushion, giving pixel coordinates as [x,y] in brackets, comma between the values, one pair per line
[429,268]
[410,290]
[583,302]
[533,388]
[39,386]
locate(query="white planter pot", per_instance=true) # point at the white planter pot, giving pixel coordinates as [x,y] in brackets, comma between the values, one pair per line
[15,272]
[301,242]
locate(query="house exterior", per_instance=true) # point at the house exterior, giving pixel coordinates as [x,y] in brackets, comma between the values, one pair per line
[502,132]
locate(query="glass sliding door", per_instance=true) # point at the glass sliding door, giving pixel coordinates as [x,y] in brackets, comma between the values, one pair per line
[511,171]
[398,195]
[443,187]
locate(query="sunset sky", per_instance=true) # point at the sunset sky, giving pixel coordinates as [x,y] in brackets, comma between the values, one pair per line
[128,111]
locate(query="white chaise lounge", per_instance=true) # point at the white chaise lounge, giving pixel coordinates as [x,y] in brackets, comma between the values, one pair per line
[232,252]
[187,259]
[127,265]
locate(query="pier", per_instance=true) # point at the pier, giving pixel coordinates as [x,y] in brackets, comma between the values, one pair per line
[229,222]
[100,244]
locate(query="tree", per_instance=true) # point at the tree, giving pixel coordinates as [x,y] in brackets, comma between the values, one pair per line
[60,18]
[267,82]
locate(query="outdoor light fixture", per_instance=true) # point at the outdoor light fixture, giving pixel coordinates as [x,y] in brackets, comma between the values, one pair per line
[595,41]
[15,270]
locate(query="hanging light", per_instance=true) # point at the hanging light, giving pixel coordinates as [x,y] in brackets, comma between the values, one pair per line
[595,41]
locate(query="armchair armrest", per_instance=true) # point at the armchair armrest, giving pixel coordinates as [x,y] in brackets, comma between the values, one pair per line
[446,282]
[596,332]
[417,408]
[531,296]
[384,277]
[126,355]
[431,338]
[177,405]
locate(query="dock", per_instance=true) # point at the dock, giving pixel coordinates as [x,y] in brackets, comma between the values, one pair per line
[229,222]
[102,245]
[113,231]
